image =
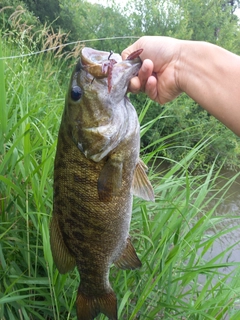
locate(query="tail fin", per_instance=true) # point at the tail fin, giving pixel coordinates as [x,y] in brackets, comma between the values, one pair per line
[88,307]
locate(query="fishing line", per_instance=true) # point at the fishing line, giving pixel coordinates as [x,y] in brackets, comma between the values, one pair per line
[66,44]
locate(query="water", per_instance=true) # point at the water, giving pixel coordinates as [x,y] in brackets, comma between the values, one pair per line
[230,205]
[229,210]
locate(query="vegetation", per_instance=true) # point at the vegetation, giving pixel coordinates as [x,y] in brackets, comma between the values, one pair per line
[173,235]
[78,20]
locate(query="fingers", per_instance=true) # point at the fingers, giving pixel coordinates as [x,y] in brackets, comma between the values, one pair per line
[145,72]
[151,88]
[134,85]
[138,83]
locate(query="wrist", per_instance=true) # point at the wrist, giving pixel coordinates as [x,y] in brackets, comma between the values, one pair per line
[194,65]
[184,65]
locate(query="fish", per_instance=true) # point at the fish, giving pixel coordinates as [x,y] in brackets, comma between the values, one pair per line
[97,170]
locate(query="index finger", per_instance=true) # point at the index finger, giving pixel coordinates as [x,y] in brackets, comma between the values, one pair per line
[126,52]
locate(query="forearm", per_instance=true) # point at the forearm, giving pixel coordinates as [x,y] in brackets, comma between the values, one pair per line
[211,76]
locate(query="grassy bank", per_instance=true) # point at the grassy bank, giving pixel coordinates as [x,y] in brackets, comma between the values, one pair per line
[171,235]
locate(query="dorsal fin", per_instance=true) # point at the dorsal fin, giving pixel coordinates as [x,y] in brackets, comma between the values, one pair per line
[141,186]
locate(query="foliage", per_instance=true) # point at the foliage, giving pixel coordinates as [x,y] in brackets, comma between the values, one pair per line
[185,123]
[152,17]
[44,10]
[16,19]
[213,21]
[93,21]
[28,147]
[172,235]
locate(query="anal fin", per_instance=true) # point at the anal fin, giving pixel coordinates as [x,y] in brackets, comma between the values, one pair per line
[128,258]
[64,261]
[88,307]
[141,186]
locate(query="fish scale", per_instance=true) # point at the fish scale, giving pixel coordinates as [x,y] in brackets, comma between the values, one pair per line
[96,171]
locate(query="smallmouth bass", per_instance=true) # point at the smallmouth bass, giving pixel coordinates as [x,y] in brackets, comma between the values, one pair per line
[97,170]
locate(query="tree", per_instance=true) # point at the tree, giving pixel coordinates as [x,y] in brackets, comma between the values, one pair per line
[45,10]
[86,21]
[212,20]
[152,17]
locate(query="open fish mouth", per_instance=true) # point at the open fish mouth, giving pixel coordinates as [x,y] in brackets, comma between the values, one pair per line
[100,64]
[94,61]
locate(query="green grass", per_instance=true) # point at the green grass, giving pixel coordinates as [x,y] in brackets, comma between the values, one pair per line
[171,235]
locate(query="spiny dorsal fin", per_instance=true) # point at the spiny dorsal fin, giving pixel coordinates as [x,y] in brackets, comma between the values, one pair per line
[110,180]
[141,186]
[88,307]
[128,258]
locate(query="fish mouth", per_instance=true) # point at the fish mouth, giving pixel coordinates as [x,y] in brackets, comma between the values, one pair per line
[93,61]
[102,64]
[98,62]
[92,56]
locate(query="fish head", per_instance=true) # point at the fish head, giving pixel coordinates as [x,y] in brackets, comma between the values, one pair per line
[96,105]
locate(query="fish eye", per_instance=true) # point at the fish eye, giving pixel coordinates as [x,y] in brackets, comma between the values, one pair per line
[76,93]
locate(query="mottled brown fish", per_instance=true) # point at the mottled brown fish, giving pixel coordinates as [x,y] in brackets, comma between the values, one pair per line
[96,171]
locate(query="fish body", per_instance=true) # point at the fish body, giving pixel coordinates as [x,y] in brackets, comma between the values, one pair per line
[96,171]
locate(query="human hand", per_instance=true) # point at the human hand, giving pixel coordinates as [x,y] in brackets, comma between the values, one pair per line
[207,73]
[158,76]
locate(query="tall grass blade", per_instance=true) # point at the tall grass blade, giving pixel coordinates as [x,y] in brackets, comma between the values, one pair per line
[3,107]
[172,236]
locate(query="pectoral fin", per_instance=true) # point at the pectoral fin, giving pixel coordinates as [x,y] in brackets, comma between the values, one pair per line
[110,180]
[64,261]
[141,186]
[129,258]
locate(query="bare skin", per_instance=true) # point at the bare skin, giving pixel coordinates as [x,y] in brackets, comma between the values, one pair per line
[209,74]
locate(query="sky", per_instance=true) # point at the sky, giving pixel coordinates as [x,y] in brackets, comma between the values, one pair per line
[103,2]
